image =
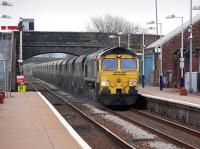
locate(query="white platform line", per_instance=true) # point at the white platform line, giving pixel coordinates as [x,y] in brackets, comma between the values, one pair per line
[171,100]
[72,132]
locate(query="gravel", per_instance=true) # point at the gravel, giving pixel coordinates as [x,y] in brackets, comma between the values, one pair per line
[134,135]
[137,133]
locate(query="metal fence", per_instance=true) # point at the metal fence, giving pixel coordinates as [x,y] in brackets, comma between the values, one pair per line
[5,62]
[2,73]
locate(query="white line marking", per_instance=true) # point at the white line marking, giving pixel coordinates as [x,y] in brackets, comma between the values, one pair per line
[72,132]
[172,100]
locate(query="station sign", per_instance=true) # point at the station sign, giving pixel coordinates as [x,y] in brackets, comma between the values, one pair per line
[8,27]
[181,59]
[181,64]
[20,60]
[157,51]
[20,79]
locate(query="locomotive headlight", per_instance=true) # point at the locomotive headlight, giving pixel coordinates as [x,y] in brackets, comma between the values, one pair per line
[133,83]
[105,83]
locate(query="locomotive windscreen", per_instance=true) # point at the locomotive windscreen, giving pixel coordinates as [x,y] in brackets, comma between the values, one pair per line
[109,64]
[128,64]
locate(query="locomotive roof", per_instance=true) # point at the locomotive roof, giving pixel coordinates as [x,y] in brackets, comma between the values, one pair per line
[117,50]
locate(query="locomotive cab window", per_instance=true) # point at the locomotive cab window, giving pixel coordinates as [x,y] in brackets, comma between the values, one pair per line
[109,64]
[128,64]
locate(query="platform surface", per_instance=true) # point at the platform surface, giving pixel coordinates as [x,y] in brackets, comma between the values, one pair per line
[26,122]
[171,95]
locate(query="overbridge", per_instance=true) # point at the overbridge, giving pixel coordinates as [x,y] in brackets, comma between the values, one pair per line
[76,43]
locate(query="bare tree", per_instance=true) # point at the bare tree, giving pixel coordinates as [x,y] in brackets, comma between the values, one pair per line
[112,24]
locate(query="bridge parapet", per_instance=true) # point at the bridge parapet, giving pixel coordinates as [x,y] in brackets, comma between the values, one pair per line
[76,43]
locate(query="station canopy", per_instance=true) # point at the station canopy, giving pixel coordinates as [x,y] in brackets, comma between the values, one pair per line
[174,33]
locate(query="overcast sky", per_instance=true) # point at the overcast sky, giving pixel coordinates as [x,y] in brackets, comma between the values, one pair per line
[73,15]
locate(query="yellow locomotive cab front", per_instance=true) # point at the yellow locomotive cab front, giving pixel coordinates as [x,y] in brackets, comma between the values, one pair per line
[118,79]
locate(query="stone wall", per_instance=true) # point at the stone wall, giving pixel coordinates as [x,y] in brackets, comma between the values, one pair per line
[77,43]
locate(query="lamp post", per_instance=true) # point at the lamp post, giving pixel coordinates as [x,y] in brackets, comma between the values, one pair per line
[129,41]
[20,60]
[5,3]
[181,49]
[143,48]
[143,54]
[153,28]
[161,70]
[4,16]
[156,16]
[120,33]
[113,36]
[196,8]
[190,45]
[119,38]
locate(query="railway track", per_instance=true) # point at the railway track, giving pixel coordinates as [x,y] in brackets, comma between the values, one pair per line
[130,144]
[167,122]
[114,140]
[162,134]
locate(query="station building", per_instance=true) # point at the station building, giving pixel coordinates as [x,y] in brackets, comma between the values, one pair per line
[171,44]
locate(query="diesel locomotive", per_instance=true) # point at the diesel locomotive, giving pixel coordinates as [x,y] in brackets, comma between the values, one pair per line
[110,76]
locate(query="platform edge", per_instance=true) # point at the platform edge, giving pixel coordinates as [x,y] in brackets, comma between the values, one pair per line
[72,132]
[171,100]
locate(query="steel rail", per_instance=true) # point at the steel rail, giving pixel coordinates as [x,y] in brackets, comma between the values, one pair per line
[169,123]
[161,134]
[118,140]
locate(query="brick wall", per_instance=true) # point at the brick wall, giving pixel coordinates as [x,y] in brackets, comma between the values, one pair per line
[171,56]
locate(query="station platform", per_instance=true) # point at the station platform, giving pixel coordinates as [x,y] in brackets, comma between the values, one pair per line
[28,121]
[170,95]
